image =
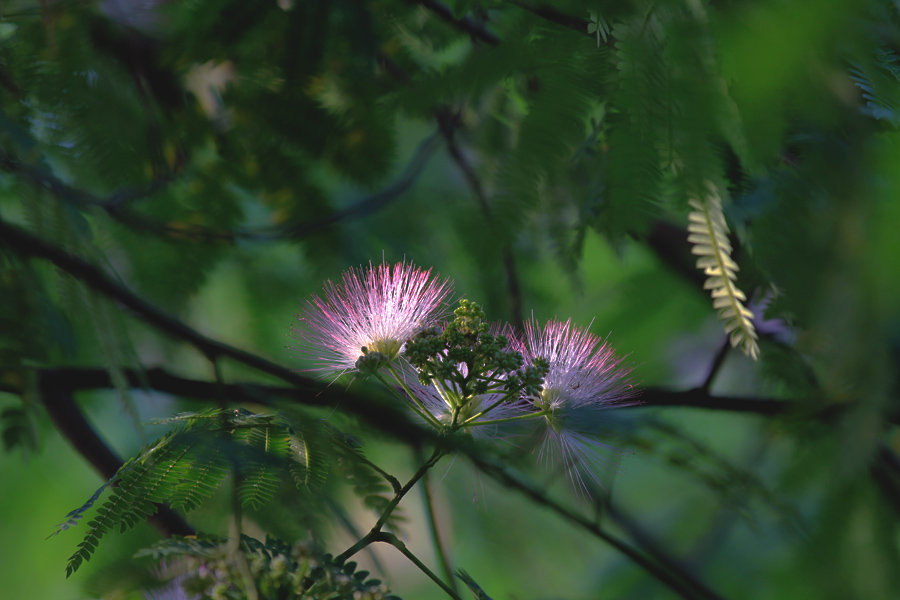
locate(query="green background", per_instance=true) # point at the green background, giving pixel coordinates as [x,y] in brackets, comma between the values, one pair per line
[221,159]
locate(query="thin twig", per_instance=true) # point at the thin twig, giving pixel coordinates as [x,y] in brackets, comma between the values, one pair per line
[341,515]
[389,509]
[76,196]
[433,528]
[392,481]
[673,577]
[394,541]
[647,543]
[362,208]
[716,365]
[113,204]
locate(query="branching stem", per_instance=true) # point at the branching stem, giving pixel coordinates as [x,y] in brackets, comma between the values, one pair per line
[486,410]
[716,365]
[393,540]
[524,417]
[416,403]
[374,533]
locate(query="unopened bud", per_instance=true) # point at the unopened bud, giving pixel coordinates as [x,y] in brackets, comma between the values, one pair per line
[371,363]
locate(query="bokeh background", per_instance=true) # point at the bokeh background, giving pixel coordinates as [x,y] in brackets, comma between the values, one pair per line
[222,158]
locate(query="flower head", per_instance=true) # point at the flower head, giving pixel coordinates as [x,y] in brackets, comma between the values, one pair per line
[584,370]
[469,373]
[367,318]
[585,377]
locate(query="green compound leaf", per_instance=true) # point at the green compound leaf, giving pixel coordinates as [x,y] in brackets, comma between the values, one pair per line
[186,466]
[708,236]
[267,449]
[138,485]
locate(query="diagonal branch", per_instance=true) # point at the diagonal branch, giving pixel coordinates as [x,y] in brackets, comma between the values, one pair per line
[78,197]
[393,540]
[476,30]
[362,208]
[436,541]
[716,365]
[382,415]
[670,575]
[552,15]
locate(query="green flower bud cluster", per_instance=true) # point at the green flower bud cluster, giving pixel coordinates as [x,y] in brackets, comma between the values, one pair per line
[464,353]
[370,362]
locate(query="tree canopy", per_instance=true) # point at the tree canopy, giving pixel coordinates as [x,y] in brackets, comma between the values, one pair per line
[688,207]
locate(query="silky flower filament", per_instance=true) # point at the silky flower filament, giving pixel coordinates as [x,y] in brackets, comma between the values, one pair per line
[458,372]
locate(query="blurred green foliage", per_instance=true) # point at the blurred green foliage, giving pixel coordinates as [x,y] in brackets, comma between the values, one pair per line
[222,158]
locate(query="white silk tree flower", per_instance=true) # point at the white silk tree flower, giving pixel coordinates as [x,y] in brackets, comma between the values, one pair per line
[586,377]
[364,321]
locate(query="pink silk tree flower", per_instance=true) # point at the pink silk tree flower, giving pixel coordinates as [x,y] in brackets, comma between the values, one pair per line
[370,314]
[586,377]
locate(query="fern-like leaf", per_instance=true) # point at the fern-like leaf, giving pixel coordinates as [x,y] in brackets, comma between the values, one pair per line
[260,471]
[187,465]
[204,475]
[74,516]
[310,450]
[139,484]
[708,236]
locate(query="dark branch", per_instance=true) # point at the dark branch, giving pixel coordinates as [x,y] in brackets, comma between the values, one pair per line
[886,472]
[476,30]
[700,398]
[78,197]
[548,13]
[315,393]
[650,545]
[362,208]
[677,580]
[716,365]
[381,415]
[669,243]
